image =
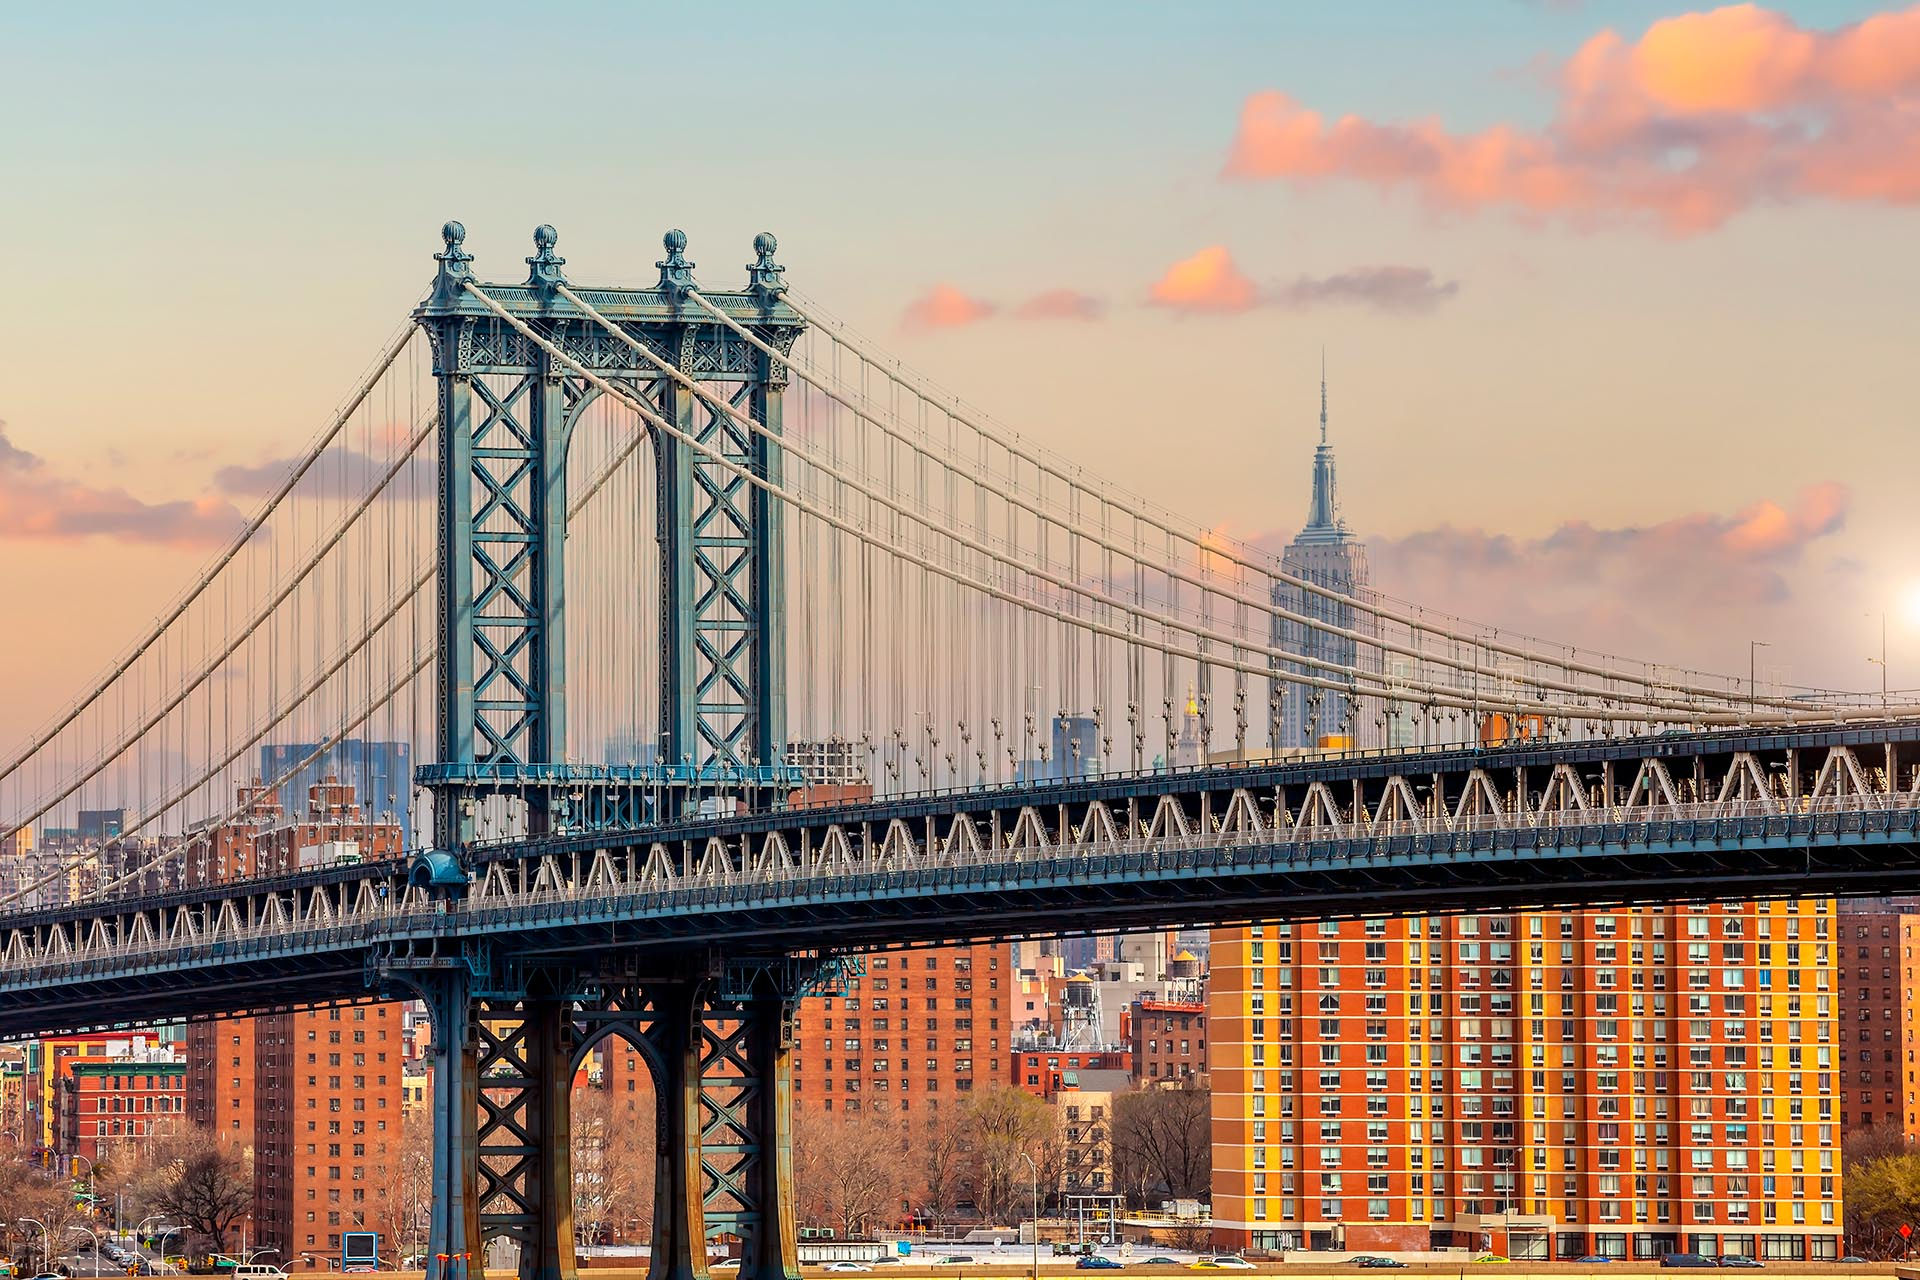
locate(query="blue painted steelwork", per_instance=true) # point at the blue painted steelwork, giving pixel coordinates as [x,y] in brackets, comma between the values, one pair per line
[507,411]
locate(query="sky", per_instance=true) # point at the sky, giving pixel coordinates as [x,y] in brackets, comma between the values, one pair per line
[1616,300]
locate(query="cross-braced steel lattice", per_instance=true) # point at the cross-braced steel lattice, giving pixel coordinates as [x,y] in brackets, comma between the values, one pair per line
[507,411]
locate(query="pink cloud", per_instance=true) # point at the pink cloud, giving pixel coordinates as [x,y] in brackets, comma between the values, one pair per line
[34,503]
[1208,281]
[1062,304]
[944,307]
[1707,114]
[1675,590]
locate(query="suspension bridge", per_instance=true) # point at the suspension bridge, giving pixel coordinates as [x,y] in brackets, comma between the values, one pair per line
[618,563]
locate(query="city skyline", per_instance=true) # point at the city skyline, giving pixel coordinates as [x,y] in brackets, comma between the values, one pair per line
[1536,392]
[641,760]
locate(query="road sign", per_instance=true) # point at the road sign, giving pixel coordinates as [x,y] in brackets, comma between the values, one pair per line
[1906,1230]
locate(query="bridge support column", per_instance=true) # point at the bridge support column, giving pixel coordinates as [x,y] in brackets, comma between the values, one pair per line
[679,1208]
[454,1247]
[772,1250]
[549,1033]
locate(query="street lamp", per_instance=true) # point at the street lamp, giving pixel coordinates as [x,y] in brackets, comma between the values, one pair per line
[165,1236]
[1036,1212]
[96,1245]
[46,1238]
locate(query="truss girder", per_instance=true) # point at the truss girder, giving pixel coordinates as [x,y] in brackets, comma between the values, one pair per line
[977,861]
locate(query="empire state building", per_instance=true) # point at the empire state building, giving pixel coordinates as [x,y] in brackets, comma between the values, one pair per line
[1326,554]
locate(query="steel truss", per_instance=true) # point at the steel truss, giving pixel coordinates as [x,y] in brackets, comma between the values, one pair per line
[1718,815]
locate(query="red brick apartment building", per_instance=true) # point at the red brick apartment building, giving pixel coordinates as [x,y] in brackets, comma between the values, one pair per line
[1872,970]
[104,1105]
[316,1095]
[920,1029]
[1169,1041]
[1545,1084]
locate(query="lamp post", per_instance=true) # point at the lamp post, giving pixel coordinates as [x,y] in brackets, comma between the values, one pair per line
[96,1246]
[1036,1212]
[1881,661]
[46,1239]
[165,1236]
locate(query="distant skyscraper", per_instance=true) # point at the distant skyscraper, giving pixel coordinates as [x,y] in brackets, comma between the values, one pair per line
[1076,746]
[380,773]
[1327,554]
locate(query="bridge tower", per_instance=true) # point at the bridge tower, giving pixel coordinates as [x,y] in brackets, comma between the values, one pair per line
[507,413]
[715,1030]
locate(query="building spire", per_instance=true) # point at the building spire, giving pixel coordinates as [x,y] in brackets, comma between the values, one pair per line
[1323,516]
[1323,395]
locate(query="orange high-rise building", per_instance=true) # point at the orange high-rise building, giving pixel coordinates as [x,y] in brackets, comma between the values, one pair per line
[1548,1085]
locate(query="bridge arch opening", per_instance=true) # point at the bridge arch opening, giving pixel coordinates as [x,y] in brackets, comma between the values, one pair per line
[613,572]
[614,1140]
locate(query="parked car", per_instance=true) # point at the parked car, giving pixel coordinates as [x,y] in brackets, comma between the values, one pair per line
[1853,1260]
[1740,1260]
[1686,1260]
[953,1259]
[1156,1262]
[846,1266]
[1491,1257]
[1220,1262]
[1096,1262]
[1595,1260]
[1374,1261]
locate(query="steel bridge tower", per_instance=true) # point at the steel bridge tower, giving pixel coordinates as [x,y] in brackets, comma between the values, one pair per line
[715,1030]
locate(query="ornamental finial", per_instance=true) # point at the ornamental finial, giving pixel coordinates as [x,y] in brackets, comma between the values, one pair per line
[544,266]
[676,273]
[765,276]
[449,281]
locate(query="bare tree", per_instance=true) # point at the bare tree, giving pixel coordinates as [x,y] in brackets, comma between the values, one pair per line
[849,1168]
[203,1184]
[20,1179]
[50,1203]
[1163,1143]
[1005,1127]
[944,1165]
[401,1197]
[612,1166]
[1858,1146]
